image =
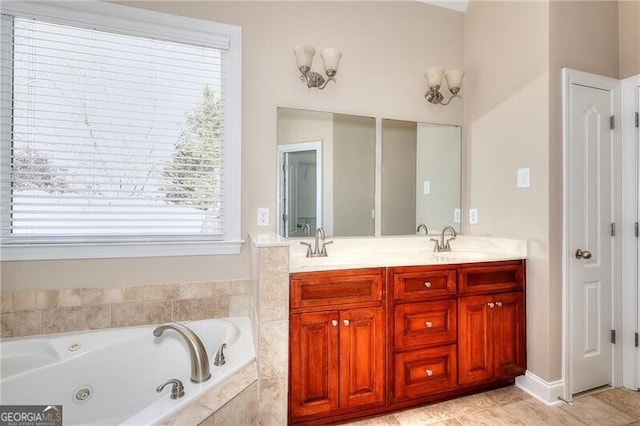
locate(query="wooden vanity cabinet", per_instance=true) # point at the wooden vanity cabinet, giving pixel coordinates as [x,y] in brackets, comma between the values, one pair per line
[337,343]
[491,337]
[424,328]
[369,341]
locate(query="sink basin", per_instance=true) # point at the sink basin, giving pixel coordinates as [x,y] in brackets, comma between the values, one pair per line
[461,255]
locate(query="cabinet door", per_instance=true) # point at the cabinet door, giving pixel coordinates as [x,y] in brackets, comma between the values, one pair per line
[475,337]
[362,350]
[509,335]
[314,363]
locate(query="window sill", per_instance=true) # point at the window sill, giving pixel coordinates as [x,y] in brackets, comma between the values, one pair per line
[115,250]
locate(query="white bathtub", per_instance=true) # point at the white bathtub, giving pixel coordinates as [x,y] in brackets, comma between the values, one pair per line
[121,368]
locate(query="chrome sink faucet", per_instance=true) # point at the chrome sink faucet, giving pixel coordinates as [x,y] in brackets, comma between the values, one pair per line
[423,226]
[442,244]
[200,371]
[317,250]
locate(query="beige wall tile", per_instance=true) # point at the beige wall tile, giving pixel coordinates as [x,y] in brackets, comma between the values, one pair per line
[24,300]
[127,314]
[230,387]
[47,299]
[192,415]
[274,283]
[196,309]
[92,297]
[160,292]
[239,306]
[195,291]
[6,302]
[273,402]
[69,297]
[157,312]
[65,319]
[18,324]
[273,349]
[241,410]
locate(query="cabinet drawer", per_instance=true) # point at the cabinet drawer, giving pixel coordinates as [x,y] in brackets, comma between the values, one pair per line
[420,282]
[499,276]
[313,289]
[426,371]
[426,323]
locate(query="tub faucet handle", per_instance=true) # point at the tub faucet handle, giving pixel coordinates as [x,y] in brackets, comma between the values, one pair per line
[177,388]
[219,359]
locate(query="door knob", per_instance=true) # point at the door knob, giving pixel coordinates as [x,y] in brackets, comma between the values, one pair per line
[334,323]
[346,323]
[583,254]
[427,284]
[429,324]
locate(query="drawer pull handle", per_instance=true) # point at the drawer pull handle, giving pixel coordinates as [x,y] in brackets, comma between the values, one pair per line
[428,372]
[499,304]
[491,304]
[346,323]
[334,323]
[427,284]
[429,324]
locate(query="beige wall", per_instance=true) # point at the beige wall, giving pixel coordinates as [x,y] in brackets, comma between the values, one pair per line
[582,35]
[386,46]
[513,120]
[629,37]
[506,128]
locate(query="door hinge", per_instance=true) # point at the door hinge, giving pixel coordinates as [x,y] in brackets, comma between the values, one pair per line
[284,218]
[637,119]
[636,226]
[613,336]
[612,122]
[636,340]
[613,229]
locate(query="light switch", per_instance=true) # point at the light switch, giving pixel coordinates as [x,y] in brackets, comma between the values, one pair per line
[456,216]
[426,187]
[523,178]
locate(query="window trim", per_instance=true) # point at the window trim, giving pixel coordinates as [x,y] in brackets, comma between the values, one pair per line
[140,22]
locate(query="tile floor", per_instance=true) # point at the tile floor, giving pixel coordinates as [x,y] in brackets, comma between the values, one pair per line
[512,406]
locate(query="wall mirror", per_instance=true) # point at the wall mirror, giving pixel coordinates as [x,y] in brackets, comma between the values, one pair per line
[326,173]
[421,176]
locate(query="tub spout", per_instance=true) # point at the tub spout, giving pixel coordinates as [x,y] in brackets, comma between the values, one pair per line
[199,359]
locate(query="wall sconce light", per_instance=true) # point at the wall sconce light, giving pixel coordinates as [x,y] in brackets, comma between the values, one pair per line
[434,80]
[304,58]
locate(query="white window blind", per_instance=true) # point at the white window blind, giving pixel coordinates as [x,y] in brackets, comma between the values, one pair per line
[110,137]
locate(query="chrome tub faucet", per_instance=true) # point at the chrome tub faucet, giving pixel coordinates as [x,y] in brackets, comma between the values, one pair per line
[200,371]
[423,226]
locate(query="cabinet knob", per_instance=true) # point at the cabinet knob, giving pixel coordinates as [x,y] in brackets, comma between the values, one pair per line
[491,304]
[428,372]
[346,323]
[334,323]
[498,304]
[429,324]
[427,284]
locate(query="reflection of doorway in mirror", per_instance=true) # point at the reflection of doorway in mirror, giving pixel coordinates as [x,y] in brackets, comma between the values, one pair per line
[299,188]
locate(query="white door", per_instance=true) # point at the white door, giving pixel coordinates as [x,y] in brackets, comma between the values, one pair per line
[589,219]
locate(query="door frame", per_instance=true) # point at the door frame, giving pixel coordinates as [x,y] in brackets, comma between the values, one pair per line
[570,77]
[296,147]
[630,243]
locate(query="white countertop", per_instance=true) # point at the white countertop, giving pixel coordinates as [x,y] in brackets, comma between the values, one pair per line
[369,252]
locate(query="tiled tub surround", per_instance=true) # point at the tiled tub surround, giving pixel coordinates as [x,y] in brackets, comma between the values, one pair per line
[44,368]
[32,312]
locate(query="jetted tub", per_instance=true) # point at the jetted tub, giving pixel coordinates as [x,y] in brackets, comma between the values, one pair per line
[108,377]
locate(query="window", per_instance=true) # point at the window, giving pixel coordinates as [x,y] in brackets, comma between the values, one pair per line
[114,139]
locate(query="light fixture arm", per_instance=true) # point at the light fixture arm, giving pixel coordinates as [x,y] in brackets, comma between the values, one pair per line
[314,79]
[450,99]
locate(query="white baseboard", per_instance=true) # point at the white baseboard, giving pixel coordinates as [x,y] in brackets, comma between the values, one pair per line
[545,392]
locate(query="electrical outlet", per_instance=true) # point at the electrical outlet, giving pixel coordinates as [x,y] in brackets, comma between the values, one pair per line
[263,216]
[473,216]
[523,178]
[456,216]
